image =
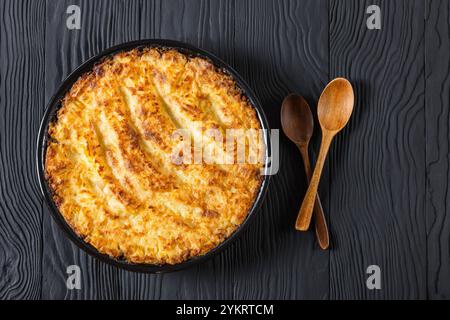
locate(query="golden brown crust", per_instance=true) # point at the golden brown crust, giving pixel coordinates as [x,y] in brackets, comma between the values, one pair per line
[109,165]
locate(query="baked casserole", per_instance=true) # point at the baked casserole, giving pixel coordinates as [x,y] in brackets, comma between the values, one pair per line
[111,166]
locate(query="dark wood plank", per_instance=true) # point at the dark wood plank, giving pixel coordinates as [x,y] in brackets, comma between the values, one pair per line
[21,99]
[271,260]
[437,66]
[377,164]
[103,24]
[375,188]
[282,47]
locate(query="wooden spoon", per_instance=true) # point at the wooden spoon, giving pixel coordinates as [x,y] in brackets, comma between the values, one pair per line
[334,110]
[298,125]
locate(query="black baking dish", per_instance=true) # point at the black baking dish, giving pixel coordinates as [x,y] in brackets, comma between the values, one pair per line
[55,104]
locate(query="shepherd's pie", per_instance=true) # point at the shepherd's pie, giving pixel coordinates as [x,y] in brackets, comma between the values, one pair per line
[110,164]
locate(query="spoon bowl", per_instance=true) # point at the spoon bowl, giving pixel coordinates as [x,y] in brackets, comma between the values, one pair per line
[296,119]
[336,105]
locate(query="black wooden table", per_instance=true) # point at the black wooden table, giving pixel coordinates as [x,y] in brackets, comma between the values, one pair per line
[385,188]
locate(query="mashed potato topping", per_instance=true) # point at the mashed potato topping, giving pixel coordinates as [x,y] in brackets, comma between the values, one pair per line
[109,157]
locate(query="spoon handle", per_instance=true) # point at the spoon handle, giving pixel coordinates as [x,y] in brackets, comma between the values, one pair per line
[322,235]
[304,217]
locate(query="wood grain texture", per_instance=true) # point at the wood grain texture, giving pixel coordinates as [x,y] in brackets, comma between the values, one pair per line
[377,164]
[385,186]
[437,98]
[21,98]
[103,24]
[278,54]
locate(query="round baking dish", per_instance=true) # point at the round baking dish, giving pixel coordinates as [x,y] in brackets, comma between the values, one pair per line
[55,104]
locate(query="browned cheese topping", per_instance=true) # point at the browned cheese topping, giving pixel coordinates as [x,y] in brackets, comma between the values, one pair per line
[109,160]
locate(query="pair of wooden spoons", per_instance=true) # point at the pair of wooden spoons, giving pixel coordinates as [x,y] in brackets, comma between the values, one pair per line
[334,110]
